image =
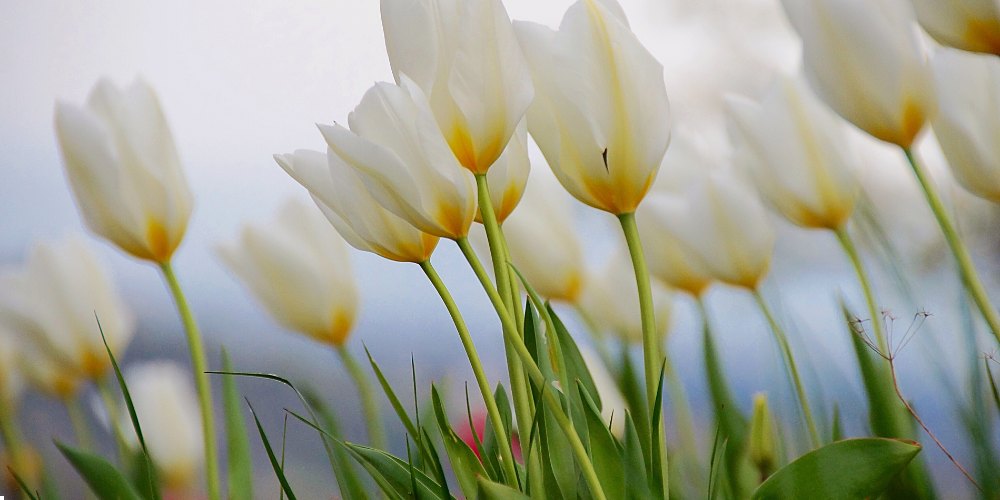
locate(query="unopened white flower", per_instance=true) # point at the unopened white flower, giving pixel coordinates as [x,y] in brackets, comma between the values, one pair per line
[341,195]
[508,176]
[611,300]
[798,155]
[299,268]
[865,60]
[600,114]
[55,302]
[967,124]
[964,24]
[167,409]
[670,260]
[49,374]
[613,405]
[396,148]
[465,57]
[124,170]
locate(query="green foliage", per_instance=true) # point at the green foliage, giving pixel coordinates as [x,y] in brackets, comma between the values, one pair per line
[240,473]
[279,471]
[104,480]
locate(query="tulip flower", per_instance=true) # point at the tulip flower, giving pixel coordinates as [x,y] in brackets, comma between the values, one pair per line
[166,405]
[798,154]
[124,169]
[967,124]
[670,260]
[396,149]
[299,268]
[864,60]
[466,59]
[600,114]
[52,301]
[972,25]
[343,198]
[610,299]
[508,176]
[761,448]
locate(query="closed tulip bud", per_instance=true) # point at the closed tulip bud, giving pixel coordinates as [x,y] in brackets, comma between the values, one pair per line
[865,60]
[166,405]
[611,300]
[972,25]
[600,114]
[403,160]
[761,447]
[465,57]
[613,405]
[967,124]
[508,176]
[361,221]
[124,170]
[300,270]
[670,260]
[798,154]
[55,302]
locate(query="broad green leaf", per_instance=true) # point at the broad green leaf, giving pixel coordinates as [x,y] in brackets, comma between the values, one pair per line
[239,461]
[851,468]
[637,485]
[278,469]
[635,397]
[463,460]
[604,450]
[489,490]
[103,478]
[490,448]
[398,475]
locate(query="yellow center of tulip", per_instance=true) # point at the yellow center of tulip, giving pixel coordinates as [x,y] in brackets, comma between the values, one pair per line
[983,35]
[158,241]
[914,118]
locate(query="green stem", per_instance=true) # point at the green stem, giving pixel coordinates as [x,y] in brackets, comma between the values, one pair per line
[199,365]
[866,286]
[502,435]
[111,407]
[78,420]
[968,271]
[554,404]
[11,436]
[373,417]
[786,353]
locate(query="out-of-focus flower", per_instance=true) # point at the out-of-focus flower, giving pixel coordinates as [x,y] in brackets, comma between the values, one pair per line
[124,170]
[166,405]
[865,60]
[762,448]
[300,270]
[798,155]
[361,221]
[400,155]
[670,261]
[49,374]
[11,378]
[600,114]
[466,59]
[964,24]
[55,302]
[611,300]
[464,431]
[508,176]
[967,124]
[613,406]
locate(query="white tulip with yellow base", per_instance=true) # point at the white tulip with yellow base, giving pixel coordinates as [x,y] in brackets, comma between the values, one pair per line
[508,177]
[972,25]
[671,261]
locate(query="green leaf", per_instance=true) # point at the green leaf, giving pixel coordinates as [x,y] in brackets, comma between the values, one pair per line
[852,468]
[240,463]
[350,485]
[411,428]
[637,486]
[657,470]
[398,475]
[489,490]
[635,397]
[21,484]
[463,460]
[604,451]
[490,448]
[836,430]
[103,479]
[278,470]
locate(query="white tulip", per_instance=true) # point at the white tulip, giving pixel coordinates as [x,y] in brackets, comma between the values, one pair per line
[508,176]
[967,124]
[865,60]
[124,170]
[964,24]
[49,374]
[55,302]
[396,148]
[611,300]
[167,408]
[798,154]
[465,57]
[670,261]
[600,114]
[339,192]
[299,268]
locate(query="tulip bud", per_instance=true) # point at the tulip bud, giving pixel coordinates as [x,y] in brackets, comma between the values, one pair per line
[300,270]
[972,25]
[166,405]
[798,155]
[864,59]
[967,124]
[466,59]
[508,176]
[611,300]
[52,303]
[600,114]
[124,170]
[403,160]
[761,447]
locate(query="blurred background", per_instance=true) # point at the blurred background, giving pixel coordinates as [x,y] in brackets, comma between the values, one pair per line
[242,80]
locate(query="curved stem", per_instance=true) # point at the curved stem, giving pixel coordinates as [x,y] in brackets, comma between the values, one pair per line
[78,420]
[786,352]
[373,417]
[199,366]
[502,435]
[965,266]
[847,243]
[554,404]
[110,406]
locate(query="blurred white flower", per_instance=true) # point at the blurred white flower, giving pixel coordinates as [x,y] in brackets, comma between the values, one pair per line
[299,268]
[613,405]
[600,114]
[670,260]
[11,377]
[395,147]
[466,59]
[798,154]
[124,170]
[611,300]
[864,58]
[964,24]
[508,176]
